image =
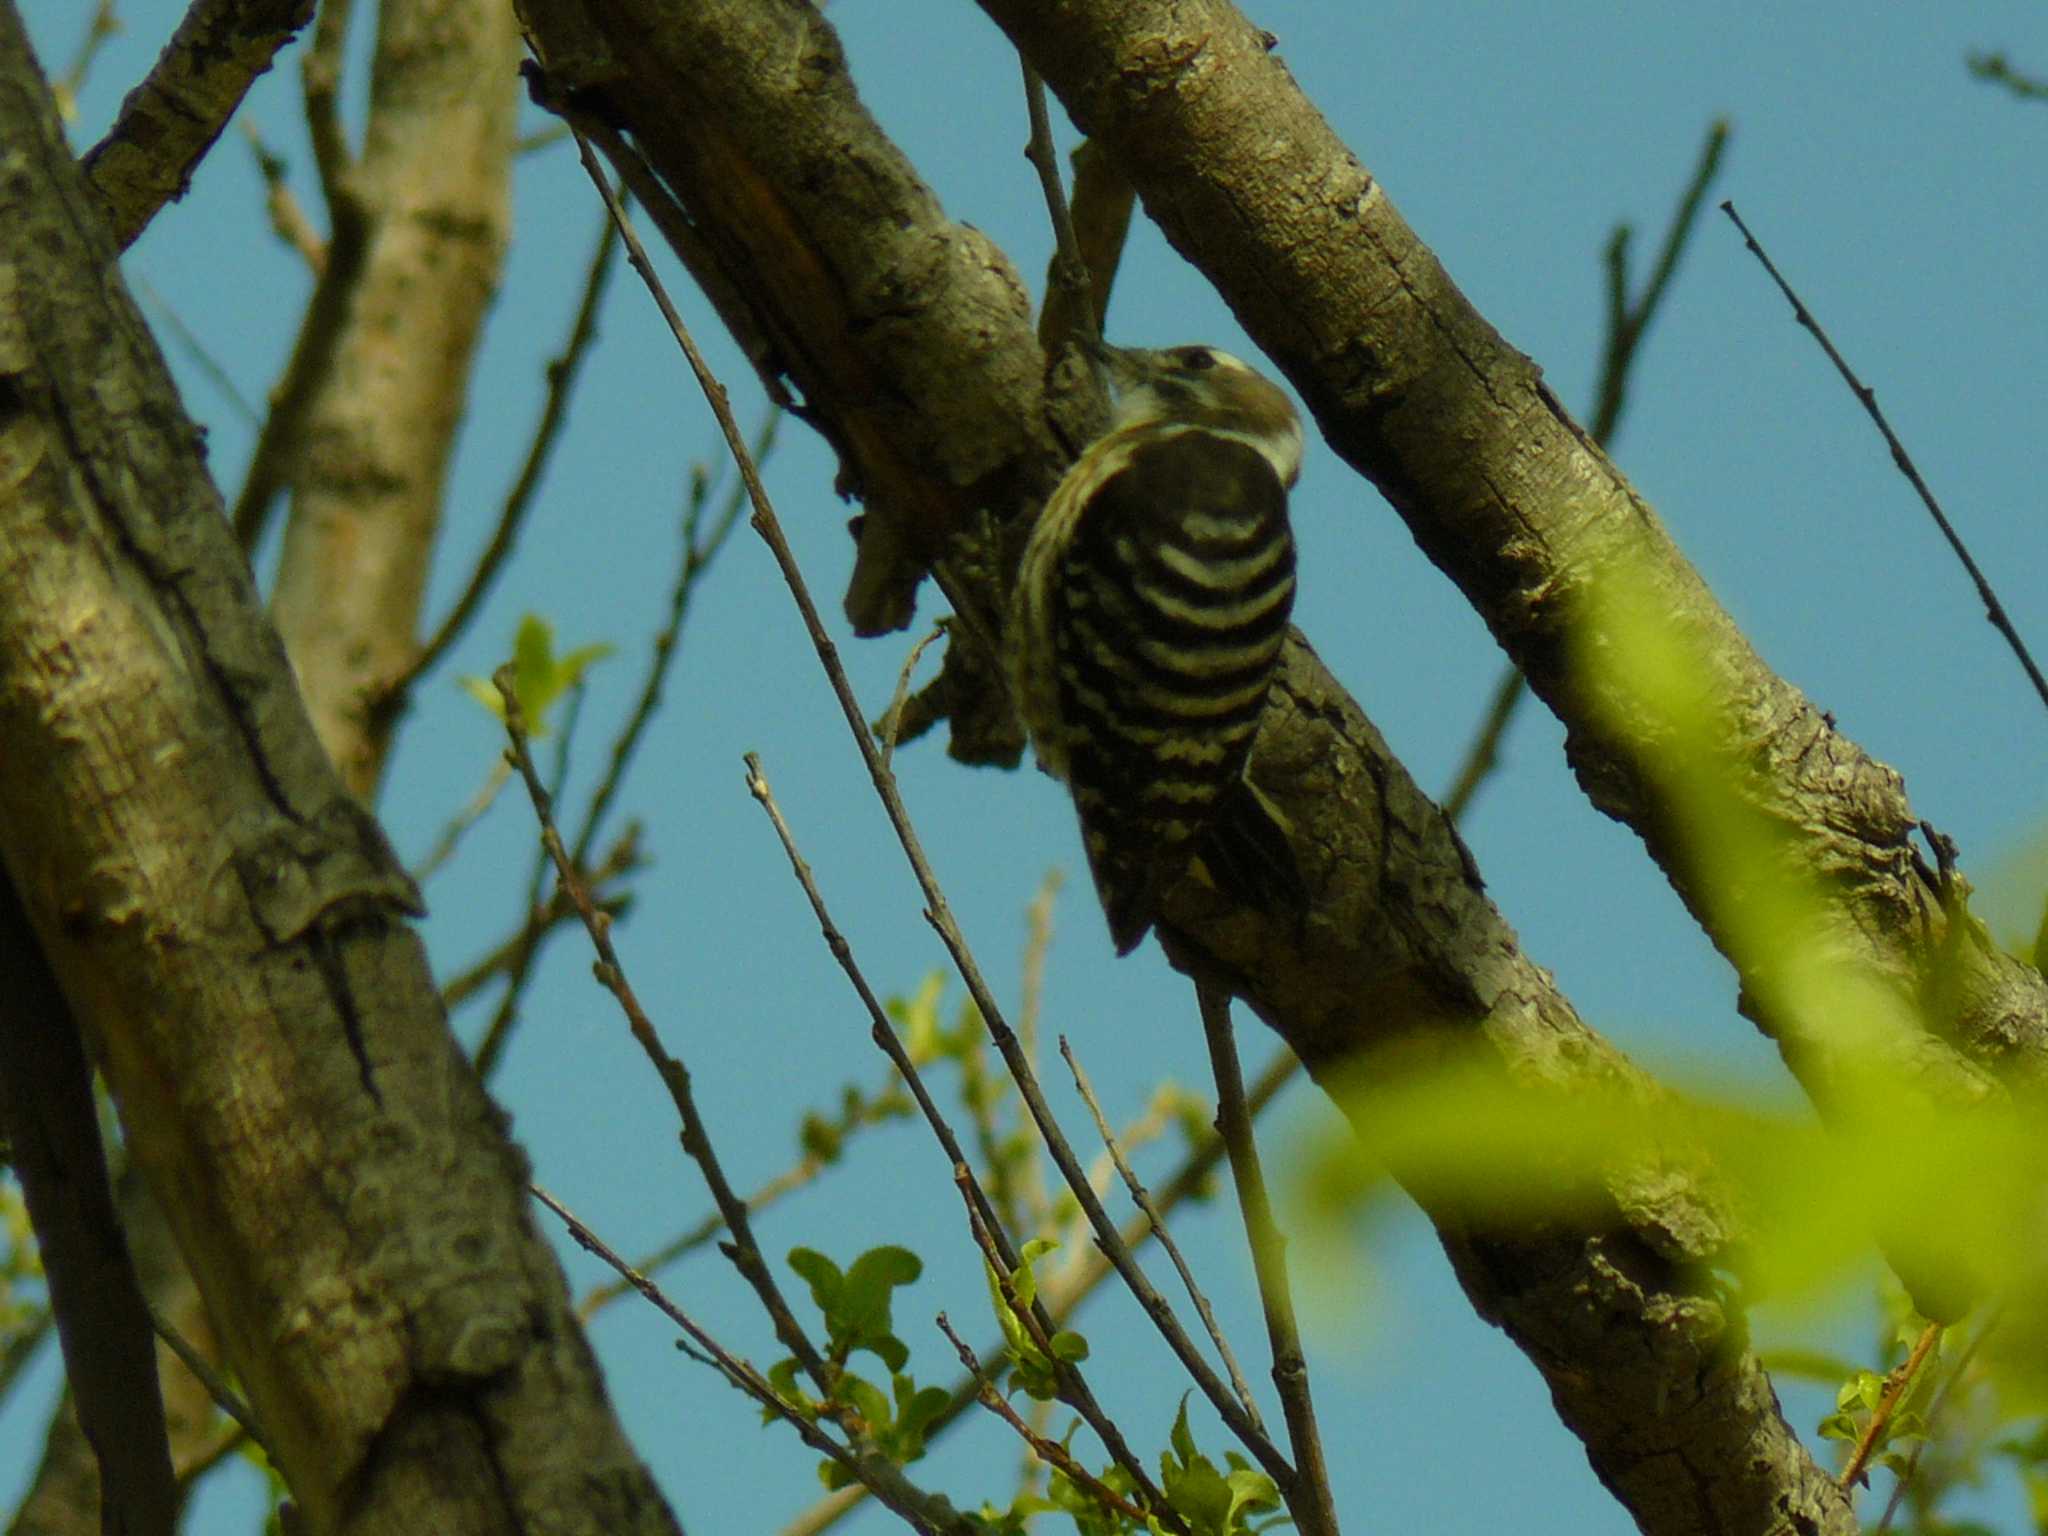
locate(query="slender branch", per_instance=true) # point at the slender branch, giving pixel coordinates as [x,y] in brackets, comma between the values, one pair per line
[861,1112]
[1142,1198]
[700,549]
[1483,756]
[923,1511]
[169,121]
[320,85]
[1308,1499]
[1992,1318]
[1628,320]
[1065,1290]
[225,1397]
[622,859]
[892,717]
[104,26]
[519,969]
[1101,209]
[982,1214]
[1998,69]
[1050,1452]
[697,554]
[1069,270]
[1867,397]
[196,348]
[611,974]
[1896,1386]
[288,220]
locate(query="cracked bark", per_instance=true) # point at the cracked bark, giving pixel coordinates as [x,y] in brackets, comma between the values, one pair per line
[176,834]
[1507,495]
[743,108]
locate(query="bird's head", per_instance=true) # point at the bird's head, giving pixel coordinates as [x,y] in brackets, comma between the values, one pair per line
[1202,387]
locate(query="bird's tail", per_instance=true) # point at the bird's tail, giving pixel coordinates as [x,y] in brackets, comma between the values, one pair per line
[1250,853]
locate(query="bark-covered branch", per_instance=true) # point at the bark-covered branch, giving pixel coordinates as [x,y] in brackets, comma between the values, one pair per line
[50,1119]
[169,121]
[897,326]
[428,213]
[743,109]
[228,927]
[1513,501]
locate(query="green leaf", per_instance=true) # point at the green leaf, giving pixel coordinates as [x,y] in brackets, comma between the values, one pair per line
[539,676]
[856,1302]
[822,1275]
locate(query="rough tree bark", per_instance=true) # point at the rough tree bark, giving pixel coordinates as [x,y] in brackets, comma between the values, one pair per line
[762,154]
[229,928]
[745,112]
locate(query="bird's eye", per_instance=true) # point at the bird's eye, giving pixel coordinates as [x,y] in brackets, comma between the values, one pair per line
[1197,359]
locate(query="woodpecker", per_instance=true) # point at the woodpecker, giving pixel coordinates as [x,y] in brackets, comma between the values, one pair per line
[1151,605]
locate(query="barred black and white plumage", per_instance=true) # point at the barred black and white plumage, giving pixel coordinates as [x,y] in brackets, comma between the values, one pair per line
[1152,603]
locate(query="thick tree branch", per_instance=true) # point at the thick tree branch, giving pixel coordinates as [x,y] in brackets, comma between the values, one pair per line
[1521,509]
[370,453]
[734,102]
[172,118]
[867,298]
[335,1176]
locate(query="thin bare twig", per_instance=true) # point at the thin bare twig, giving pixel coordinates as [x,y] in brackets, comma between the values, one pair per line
[1030,1183]
[983,1217]
[562,372]
[166,314]
[938,912]
[1070,271]
[1994,610]
[1142,1198]
[1048,1451]
[1065,1290]
[743,1250]
[320,85]
[104,26]
[1999,70]
[1308,1500]
[1483,756]
[860,1111]
[288,220]
[892,717]
[224,1396]
[700,549]
[1629,319]
[278,444]
[520,970]
[457,826]
[925,1512]
[623,858]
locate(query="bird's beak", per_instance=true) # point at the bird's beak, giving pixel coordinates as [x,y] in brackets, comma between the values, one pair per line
[1117,367]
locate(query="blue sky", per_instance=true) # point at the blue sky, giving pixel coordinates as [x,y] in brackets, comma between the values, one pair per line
[1907,201]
